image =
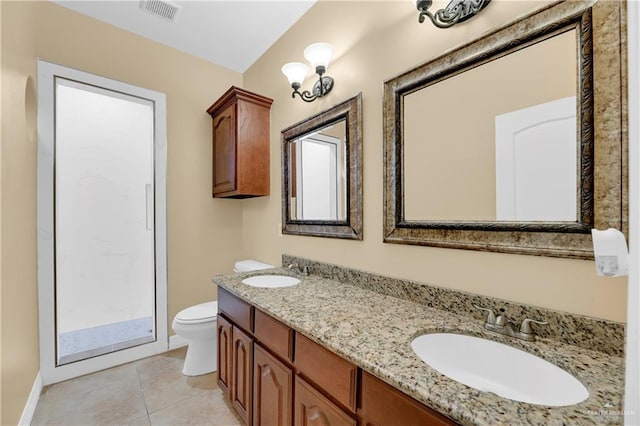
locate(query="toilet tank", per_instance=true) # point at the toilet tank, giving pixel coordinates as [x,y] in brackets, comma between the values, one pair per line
[250,265]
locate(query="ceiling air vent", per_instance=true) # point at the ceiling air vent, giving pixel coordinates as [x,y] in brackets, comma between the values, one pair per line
[164,9]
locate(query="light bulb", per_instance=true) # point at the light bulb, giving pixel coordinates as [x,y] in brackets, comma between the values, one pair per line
[295,72]
[319,55]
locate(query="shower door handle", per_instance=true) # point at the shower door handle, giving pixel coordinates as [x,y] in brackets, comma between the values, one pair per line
[149,205]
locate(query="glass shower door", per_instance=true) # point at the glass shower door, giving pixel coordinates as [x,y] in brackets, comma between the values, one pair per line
[104,233]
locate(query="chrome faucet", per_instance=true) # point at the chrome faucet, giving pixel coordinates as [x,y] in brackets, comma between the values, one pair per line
[501,324]
[294,267]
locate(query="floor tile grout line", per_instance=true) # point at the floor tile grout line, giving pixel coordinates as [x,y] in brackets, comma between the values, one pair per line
[144,399]
[173,403]
[176,402]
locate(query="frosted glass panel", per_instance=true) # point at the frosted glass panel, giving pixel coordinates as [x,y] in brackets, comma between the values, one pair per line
[104,233]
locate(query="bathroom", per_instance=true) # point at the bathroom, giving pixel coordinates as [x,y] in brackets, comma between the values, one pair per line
[206,235]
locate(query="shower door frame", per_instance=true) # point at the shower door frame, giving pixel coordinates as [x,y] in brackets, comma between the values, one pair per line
[49,370]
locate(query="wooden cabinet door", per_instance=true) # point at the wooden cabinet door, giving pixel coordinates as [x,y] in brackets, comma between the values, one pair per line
[272,390]
[383,405]
[312,409]
[224,151]
[242,374]
[224,354]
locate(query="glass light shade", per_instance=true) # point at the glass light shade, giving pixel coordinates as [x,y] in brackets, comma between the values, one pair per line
[318,54]
[295,72]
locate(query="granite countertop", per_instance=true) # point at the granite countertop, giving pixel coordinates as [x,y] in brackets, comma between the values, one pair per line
[375,331]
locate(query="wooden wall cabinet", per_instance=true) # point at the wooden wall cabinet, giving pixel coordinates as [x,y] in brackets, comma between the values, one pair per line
[277,377]
[240,144]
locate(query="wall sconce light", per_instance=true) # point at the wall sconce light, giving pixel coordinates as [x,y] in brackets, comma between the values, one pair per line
[455,12]
[318,55]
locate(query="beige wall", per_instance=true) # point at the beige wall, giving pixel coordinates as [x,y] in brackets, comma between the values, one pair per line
[198,226]
[375,42]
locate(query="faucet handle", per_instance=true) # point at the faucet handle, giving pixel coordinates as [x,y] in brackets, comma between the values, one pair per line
[525,327]
[491,316]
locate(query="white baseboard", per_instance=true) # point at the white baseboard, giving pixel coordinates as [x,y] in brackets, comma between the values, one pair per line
[176,342]
[32,402]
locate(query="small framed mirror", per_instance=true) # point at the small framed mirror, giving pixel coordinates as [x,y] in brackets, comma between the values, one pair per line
[322,173]
[514,142]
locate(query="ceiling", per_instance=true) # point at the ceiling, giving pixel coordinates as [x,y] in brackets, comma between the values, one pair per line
[230,33]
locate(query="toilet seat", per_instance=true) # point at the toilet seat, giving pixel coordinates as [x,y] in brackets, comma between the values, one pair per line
[204,312]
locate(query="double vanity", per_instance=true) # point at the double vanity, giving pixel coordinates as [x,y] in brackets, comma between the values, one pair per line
[335,351]
[321,344]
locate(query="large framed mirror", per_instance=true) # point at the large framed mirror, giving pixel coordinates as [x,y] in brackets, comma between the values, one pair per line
[322,173]
[512,143]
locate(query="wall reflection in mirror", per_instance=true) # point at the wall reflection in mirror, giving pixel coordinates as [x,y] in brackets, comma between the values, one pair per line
[318,174]
[509,151]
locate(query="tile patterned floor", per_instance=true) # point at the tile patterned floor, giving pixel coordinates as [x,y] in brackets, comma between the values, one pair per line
[150,392]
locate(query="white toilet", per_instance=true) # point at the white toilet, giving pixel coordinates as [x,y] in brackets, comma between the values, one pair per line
[197,324]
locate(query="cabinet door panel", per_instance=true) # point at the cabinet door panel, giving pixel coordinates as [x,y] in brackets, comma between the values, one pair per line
[253,158]
[242,373]
[313,409]
[224,151]
[272,390]
[224,354]
[384,405]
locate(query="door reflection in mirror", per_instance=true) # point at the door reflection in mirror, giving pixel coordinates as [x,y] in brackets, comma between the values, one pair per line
[536,167]
[318,175]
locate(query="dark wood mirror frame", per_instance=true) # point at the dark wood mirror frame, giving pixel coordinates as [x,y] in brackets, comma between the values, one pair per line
[601,118]
[351,228]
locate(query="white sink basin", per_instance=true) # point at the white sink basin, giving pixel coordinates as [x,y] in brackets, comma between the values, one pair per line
[271,281]
[493,367]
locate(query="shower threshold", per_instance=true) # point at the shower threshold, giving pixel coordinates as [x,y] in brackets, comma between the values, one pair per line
[95,341]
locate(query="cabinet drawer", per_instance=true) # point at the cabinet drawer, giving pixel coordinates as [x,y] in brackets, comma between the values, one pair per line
[313,409]
[238,311]
[274,335]
[382,404]
[332,373]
